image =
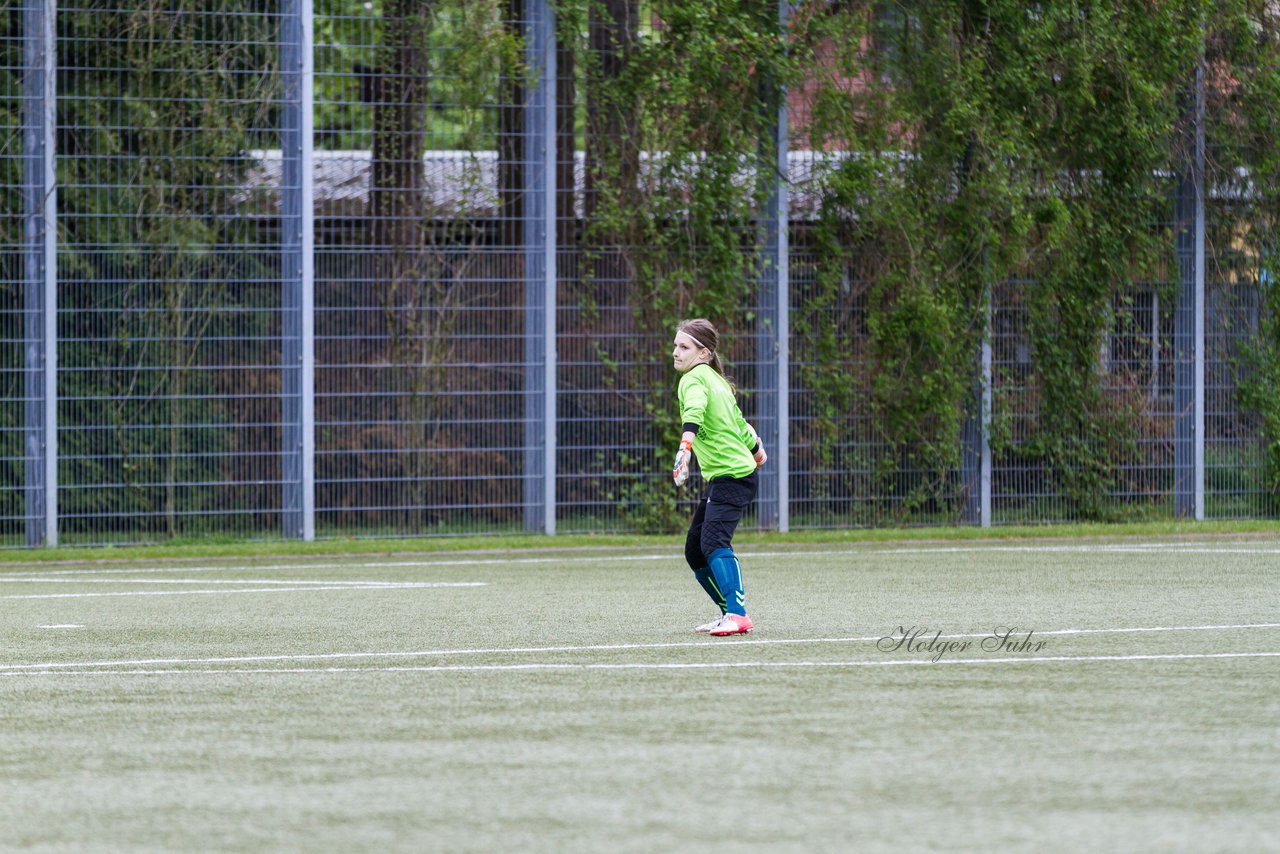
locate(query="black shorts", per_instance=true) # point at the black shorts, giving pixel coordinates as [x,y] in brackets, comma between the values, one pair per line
[717,517]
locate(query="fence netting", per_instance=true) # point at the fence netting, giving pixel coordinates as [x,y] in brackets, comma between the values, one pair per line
[176,340]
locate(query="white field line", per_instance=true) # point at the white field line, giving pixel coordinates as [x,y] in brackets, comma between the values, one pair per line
[705,644]
[367,582]
[395,564]
[1129,549]
[60,626]
[475,668]
[226,591]
[675,557]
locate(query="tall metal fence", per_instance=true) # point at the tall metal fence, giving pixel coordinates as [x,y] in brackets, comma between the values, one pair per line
[210,326]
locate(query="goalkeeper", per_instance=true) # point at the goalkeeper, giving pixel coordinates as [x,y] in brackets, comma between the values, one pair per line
[728,452]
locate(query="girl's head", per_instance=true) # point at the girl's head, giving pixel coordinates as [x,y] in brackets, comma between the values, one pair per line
[696,344]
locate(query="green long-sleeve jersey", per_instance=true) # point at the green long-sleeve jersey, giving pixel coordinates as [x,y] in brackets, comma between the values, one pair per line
[723,443]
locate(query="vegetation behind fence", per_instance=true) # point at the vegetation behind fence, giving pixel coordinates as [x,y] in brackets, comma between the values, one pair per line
[1028,263]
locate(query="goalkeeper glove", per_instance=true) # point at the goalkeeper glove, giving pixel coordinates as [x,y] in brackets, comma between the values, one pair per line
[680,471]
[757,447]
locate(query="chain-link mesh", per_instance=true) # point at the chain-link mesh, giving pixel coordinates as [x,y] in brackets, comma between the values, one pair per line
[168,293]
[13,402]
[177,336]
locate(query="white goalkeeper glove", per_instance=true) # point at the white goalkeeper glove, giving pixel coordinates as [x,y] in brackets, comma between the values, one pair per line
[757,447]
[680,470]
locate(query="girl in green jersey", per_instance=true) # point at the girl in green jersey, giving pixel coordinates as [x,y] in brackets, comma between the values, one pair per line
[728,452]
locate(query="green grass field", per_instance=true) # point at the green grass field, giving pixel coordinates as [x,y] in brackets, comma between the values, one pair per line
[536,700]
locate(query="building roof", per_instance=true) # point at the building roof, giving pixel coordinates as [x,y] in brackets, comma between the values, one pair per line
[464,184]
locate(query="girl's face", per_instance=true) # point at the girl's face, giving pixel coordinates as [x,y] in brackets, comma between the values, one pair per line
[687,353]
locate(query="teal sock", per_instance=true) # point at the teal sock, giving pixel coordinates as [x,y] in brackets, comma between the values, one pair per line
[728,576]
[708,582]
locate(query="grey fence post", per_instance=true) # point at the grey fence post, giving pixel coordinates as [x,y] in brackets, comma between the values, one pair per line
[976,436]
[40,327]
[1188,335]
[539,157]
[773,355]
[297,273]
[988,408]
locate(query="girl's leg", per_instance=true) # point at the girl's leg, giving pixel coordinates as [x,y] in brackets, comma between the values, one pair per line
[697,560]
[727,499]
[728,576]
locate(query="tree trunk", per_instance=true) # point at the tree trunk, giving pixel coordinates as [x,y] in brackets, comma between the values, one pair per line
[613,154]
[398,91]
[511,140]
[566,141]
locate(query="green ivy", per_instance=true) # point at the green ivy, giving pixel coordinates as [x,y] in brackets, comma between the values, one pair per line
[682,235]
[1013,149]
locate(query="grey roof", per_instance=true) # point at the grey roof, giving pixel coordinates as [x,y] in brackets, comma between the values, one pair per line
[464,184]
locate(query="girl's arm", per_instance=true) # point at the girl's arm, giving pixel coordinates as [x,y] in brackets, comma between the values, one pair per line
[680,470]
[757,446]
